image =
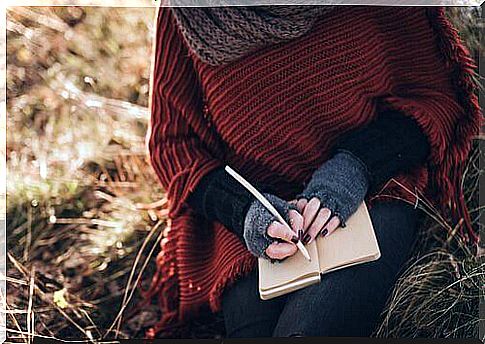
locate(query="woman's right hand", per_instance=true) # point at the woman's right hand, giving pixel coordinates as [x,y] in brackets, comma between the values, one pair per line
[265,236]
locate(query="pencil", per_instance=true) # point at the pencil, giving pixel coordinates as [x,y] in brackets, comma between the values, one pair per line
[267,205]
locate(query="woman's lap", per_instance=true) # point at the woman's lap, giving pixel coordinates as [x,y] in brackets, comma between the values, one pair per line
[347,302]
[245,314]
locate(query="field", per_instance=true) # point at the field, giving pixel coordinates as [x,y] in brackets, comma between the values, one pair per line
[86,214]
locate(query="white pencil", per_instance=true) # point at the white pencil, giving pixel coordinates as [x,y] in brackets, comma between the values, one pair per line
[267,204]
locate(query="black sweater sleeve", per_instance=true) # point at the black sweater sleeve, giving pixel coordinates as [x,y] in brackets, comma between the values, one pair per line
[391,144]
[218,196]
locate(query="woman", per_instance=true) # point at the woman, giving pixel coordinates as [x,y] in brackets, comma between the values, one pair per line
[321,108]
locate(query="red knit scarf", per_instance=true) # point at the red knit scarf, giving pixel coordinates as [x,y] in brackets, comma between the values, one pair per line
[274,116]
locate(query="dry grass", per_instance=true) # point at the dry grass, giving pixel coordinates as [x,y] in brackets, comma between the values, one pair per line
[85,211]
[437,295]
[86,214]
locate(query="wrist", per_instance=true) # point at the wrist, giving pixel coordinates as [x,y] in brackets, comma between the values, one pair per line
[340,184]
[219,197]
[349,161]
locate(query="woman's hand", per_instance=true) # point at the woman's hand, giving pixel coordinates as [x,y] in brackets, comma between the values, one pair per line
[334,193]
[265,236]
[317,219]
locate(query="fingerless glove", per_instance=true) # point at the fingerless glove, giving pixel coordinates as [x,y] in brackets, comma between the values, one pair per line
[256,223]
[340,184]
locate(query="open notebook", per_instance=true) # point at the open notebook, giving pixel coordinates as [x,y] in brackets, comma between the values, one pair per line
[354,244]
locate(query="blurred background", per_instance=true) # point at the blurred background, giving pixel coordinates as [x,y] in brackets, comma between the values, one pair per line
[86,215]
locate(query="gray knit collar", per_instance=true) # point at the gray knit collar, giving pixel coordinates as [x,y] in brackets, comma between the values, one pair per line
[220,35]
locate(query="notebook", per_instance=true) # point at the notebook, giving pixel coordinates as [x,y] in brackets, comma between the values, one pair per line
[354,244]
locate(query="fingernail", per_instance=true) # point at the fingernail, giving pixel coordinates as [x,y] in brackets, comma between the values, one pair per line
[324,232]
[294,239]
[306,238]
[300,234]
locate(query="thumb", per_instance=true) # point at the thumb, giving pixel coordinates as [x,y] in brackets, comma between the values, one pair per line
[279,231]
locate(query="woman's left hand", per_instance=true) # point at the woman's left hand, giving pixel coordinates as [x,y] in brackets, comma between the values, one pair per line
[333,194]
[317,220]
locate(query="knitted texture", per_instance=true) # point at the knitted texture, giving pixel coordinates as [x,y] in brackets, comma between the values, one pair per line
[220,197]
[391,144]
[275,116]
[219,35]
[340,184]
[256,223]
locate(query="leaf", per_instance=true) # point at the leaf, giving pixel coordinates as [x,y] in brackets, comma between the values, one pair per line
[59,298]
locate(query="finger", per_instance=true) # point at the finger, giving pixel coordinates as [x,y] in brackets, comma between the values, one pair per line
[311,210]
[279,231]
[331,226]
[281,250]
[296,222]
[302,202]
[293,201]
[317,225]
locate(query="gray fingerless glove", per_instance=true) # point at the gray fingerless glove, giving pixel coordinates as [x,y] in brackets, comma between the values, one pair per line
[341,184]
[256,223]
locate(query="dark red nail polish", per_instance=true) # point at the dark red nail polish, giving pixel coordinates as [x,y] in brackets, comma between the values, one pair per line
[300,234]
[324,232]
[294,239]
[306,238]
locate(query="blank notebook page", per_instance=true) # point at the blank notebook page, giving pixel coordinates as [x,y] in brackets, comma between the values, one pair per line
[349,245]
[295,267]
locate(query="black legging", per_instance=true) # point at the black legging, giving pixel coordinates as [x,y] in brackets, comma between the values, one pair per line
[346,302]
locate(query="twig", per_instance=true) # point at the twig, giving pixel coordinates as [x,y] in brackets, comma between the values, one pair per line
[127,297]
[44,296]
[30,312]
[14,319]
